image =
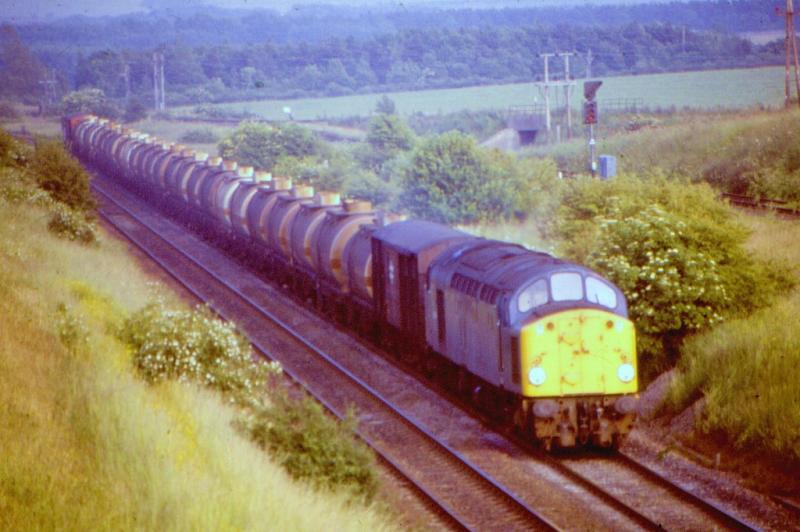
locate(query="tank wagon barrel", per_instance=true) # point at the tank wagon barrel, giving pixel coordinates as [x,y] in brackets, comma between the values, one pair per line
[544,343]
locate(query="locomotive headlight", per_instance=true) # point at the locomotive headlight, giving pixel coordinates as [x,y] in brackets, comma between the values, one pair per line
[537,376]
[625,372]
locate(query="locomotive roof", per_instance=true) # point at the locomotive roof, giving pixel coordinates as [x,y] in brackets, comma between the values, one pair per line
[488,267]
[414,236]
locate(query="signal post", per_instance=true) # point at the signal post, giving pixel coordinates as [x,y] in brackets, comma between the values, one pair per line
[590,118]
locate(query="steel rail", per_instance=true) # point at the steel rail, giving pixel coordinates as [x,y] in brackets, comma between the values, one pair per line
[720,513]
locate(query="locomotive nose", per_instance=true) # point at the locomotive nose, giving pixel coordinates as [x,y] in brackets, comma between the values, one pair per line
[579,352]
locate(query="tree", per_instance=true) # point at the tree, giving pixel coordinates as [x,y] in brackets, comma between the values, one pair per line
[452,180]
[102,70]
[262,145]
[385,106]
[20,70]
[387,136]
[135,110]
[92,101]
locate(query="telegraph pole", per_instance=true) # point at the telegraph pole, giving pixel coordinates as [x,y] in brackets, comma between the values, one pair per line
[126,75]
[49,84]
[791,54]
[589,59]
[158,81]
[568,86]
[546,88]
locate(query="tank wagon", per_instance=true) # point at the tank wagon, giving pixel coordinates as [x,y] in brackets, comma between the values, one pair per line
[544,343]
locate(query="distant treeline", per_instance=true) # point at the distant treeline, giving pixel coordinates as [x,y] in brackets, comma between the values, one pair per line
[197,25]
[414,59]
[224,55]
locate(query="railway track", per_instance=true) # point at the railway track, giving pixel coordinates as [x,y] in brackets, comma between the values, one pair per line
[763,204]
[635,486]
[458,479]
[461,492]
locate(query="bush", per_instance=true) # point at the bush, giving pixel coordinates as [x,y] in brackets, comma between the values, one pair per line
[675,252]
[313,446]
[194,346]
[62,176]
[367,186]
[450,179]
[72,225]
[12,152]
[135,110]
[200,136]
[261,145]
[90,101]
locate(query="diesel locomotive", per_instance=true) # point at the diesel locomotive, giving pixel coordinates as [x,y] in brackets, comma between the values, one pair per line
[542,342]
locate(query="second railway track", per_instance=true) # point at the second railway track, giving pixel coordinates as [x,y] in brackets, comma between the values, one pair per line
[471,478]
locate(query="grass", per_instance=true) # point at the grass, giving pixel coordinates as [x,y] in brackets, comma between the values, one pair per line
[735,88]
[748,369]
[85,444]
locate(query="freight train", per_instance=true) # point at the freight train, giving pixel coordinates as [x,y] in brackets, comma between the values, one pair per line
[542,342]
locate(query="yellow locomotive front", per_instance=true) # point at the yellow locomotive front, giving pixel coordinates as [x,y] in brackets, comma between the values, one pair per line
[579,379]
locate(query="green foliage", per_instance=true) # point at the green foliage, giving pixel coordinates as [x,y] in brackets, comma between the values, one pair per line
[747,370]
[479,123]
[200,136]
[194,346]
[313,446]
[388,133]
[367,186]
[135,110]
[673,249]
[92,101]
[387,137]
[262,145]
[62,176]
[71,224]
[451,180]
[12,152]
[20,70]
[385,106]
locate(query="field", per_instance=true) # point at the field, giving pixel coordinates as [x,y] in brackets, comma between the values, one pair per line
[704,89]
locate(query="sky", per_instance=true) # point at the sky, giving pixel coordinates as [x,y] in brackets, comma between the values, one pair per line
[16,11]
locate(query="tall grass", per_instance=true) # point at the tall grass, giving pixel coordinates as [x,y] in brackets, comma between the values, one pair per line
[748,370]
[87,445]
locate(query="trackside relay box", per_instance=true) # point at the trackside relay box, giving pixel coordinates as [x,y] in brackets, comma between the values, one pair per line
[607,166]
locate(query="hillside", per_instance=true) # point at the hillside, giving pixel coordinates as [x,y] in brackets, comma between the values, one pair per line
[88,444]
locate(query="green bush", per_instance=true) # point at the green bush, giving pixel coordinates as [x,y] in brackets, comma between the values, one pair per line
[194,346]
[262,145]
[200,136]
[62,176]
[367,186]
[673,249]
[452,180]
[12,152]
[71,224]
[90,101]
[313,446]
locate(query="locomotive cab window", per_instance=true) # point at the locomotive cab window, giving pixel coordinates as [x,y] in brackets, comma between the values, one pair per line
[533,296]
[599,292]
[566,286]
